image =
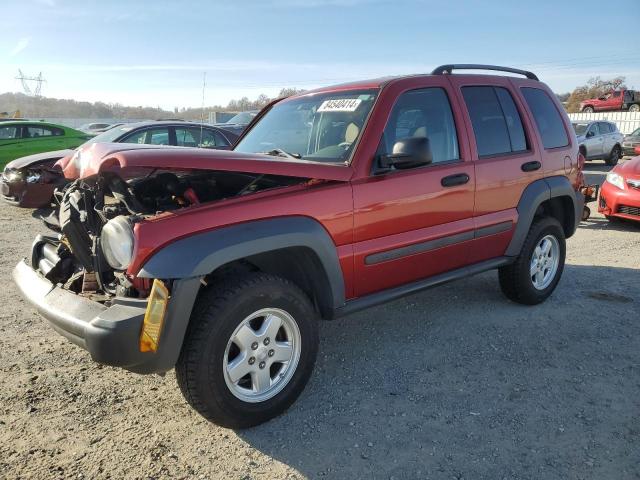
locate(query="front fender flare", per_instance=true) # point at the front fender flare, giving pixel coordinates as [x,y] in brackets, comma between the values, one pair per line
[202,253]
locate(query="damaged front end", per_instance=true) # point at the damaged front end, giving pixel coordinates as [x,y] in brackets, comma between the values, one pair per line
[77,275]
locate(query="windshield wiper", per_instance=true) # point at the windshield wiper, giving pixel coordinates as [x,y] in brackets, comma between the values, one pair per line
[278,152]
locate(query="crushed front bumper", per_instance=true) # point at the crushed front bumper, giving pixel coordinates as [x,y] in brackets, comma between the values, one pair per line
[110,333]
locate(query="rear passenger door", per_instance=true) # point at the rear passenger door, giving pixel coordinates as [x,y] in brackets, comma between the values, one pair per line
[41,138]
[506,160]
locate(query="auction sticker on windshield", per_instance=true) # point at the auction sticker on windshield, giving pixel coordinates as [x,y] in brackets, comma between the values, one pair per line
[340,105]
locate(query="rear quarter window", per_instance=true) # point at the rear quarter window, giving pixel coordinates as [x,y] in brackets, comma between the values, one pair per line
[547,118]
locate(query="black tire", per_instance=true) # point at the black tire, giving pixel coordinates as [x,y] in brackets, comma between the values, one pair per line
[219,310]
[634,108]
[587,109]
[614,156]
[515,278]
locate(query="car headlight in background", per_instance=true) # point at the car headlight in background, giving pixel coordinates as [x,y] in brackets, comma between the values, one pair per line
[616,179]
[116,241]
[12,175]
[33,177]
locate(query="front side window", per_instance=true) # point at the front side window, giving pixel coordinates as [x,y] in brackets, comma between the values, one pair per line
[7,133]
[594,131]
[423,113]
[547,118]
[186,138]
[151,136]
[202,137]
[32,131]
[605,128]
[580,128]
[324,127]
[495,119]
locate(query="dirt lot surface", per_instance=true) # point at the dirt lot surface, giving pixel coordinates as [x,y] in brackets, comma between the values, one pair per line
[452,383]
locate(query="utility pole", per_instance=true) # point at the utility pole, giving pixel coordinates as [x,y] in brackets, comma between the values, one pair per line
[24,79]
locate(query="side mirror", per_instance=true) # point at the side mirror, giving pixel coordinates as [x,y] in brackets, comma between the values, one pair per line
[408,153]
[602,98]
[590,134]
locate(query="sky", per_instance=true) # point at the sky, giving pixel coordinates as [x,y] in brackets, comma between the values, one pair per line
[156,53]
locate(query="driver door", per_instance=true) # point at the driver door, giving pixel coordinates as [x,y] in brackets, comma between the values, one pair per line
[410,224]
[593,141]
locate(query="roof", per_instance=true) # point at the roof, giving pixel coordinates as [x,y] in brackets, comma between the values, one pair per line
[441,70]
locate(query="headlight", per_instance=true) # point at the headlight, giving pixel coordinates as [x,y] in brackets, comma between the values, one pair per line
[12,175]
[116,241]
[615,179]
[33,177]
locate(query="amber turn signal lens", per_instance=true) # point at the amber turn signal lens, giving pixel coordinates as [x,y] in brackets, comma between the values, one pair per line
[154,317]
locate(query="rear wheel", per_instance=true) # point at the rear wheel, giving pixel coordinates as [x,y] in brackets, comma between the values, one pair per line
[537,270]
[614,156]
[634,108]
[249,351]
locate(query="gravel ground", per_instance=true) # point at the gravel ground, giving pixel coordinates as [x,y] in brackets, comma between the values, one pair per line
[452,383]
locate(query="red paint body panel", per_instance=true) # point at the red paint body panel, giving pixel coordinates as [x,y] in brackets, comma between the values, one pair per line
[367,214]
[104,156]
[614,197]
[330,204]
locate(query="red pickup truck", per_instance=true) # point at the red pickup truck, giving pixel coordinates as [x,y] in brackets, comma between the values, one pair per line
[220,264]
[617,100]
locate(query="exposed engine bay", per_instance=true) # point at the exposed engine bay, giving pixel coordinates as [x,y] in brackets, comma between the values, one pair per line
[95,218]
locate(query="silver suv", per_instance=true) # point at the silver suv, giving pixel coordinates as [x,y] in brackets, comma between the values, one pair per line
[599,140]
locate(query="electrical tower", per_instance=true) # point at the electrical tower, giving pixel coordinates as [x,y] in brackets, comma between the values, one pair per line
[24,79]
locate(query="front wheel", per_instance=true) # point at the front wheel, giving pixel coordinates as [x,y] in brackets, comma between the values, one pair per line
[533,276]
[587,110]
[249,351]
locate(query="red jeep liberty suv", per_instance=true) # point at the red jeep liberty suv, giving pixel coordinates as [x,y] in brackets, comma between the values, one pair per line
[220,264]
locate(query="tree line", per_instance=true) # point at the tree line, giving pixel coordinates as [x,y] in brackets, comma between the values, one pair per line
[44,107]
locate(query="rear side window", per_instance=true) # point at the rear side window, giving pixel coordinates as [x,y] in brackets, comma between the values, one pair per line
[547,118]
[496,122]
[33,131]
[605,128]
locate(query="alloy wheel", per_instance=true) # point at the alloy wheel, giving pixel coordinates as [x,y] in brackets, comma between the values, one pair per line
[544,262]
[262,355]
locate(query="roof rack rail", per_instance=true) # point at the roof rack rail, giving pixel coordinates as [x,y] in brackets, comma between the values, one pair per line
[447,69]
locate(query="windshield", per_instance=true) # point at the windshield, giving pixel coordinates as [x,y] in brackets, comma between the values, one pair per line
[580,128]
[110,135]
[242,118]
[322,128]
[635,133]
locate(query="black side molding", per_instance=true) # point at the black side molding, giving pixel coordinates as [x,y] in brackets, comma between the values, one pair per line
[403,290]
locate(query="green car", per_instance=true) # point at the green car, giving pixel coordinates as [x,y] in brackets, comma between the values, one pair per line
[21,138]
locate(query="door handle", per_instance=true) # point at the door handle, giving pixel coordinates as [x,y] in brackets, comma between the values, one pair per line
[453,180]
[531,166]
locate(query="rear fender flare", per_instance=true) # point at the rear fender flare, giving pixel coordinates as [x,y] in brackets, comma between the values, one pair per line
[533,196]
